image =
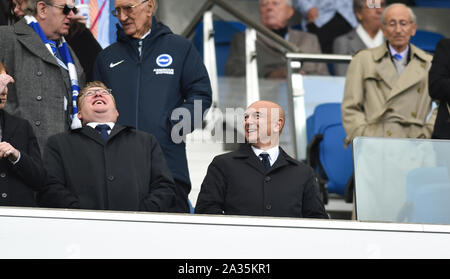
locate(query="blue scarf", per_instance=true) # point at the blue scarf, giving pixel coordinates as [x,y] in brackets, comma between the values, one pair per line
[66,63]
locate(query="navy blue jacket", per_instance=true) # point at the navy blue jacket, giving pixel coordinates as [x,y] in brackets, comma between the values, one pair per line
[169,74]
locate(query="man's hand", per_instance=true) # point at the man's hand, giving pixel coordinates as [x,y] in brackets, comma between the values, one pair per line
[8,151]
[312,14]
[79,18]
[4,80]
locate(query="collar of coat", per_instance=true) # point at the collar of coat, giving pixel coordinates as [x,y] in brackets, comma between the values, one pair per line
[246,153]
[95,135]
[30,40]
[382,51]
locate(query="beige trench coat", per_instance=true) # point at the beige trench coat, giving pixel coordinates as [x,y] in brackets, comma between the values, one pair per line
[378,102]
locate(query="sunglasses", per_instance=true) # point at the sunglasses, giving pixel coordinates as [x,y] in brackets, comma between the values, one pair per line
[65,9]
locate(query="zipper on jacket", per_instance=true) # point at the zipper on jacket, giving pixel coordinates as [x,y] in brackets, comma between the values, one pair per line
[140,45]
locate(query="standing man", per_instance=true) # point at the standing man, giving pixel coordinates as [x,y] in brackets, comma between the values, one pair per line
[260,179]
[104,165]
[47,72]
[153,72]
[367,34]
[386,89]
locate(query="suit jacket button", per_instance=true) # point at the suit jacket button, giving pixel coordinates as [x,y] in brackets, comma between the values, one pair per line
[4,195]
[269,207]
[37,123]
[39,73]
[2,175]
[111,178]
[267,179]
[39,98]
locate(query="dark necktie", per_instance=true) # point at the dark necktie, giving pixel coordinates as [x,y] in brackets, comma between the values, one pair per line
[103,129]
[265,160]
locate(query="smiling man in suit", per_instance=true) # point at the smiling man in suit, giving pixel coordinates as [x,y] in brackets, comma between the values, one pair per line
[260,179]
[104,165]
[386,89]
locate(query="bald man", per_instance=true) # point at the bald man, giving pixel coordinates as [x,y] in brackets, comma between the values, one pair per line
[260,179]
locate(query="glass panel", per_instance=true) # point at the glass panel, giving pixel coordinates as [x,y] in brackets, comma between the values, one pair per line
[402,180]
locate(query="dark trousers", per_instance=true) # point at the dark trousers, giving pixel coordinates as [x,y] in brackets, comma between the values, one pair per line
[336,27]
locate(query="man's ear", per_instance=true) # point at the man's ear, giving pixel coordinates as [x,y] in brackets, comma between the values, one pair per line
[41,10]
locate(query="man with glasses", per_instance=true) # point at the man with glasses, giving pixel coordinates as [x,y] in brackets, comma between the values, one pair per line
[153,72]
[386,88]
[47,72]
[104,165]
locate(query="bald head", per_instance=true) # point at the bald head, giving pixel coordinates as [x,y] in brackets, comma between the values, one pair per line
[264,121]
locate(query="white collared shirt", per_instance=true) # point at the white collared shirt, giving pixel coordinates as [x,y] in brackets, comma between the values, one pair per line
[94,124]
[402,54]
[273,153]
[367,40]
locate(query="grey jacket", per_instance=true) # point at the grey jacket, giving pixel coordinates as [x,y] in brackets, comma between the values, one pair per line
[349,43]
[40,83]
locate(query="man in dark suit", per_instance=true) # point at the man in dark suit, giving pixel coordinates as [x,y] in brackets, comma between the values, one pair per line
[260,179]
[21,171]
[104,165]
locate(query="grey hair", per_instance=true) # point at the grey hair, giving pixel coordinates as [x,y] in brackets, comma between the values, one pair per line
[31,8]
[289,2]
[411,13]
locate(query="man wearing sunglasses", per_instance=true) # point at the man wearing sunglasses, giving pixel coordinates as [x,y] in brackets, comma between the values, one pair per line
[153,72]
[104,165]
[47,73]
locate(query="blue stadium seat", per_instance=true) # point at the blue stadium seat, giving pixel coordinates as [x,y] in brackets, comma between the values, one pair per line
[433,3]
[426,40]
[326,152]
[223,33]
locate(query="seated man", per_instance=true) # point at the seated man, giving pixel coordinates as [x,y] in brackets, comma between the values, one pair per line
[104,165]
[260,179]
[367,34]
[386,88]
[271,62]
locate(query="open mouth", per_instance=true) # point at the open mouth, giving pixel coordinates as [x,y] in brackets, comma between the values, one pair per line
[99,102]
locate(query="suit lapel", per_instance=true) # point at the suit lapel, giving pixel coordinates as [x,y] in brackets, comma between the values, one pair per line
[92,134]
[282,160]
[246,153]
[412,74]
[385,68]
[31,41]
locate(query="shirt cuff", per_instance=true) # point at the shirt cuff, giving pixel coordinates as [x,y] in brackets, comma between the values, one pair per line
[16,161]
